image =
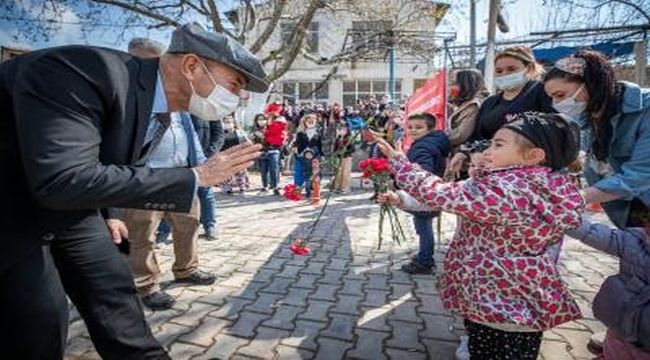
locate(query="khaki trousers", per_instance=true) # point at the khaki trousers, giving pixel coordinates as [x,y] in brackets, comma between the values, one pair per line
[343,179]
[142,225]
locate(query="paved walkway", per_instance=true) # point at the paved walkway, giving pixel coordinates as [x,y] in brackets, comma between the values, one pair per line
[346,300]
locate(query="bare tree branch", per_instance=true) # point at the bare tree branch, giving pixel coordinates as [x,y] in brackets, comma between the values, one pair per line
[628,3]
[134,8]
[278,8]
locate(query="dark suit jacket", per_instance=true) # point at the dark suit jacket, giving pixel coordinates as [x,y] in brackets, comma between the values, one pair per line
[73,120]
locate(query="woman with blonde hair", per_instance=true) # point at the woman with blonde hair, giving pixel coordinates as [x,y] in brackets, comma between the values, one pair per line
[517,79]
[309,146]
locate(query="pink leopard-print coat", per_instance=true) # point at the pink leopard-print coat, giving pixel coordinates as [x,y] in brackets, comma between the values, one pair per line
[497,269]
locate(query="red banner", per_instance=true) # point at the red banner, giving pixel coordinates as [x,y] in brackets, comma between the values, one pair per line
[429,98]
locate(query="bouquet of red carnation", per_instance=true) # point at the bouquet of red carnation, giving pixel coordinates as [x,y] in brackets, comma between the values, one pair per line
[376,169]
[292,192]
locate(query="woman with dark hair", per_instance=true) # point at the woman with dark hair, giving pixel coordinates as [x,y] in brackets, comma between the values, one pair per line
[516,78]
[614,118]
[471,92]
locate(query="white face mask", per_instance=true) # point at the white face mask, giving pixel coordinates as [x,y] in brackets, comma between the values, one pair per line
[219,103]
[511,81]
[570,106]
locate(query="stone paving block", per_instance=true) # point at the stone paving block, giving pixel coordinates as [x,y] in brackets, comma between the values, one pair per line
[555,350]
[405,336]
[325,292]
[77,346]
[400,354]
[375,298]
[246,324]
[352,287]
[186,298]
[425,284]
[191,317]
[231,309]
[290,271]
[405,311]
[356,273]
[577,341]
[236,280]
[284,317]
[440,350]
[265,303]
[264,276]
[321,257]
[217,296]
[156,318]
[378,268]
[278,286]
[204,334]
[304,335]
[307,281]
[170,332]
[291,353]
[377,282]
[77,328]
[334,277]
[359,260]
[179,350]
[263,346]
[296,297]
[317,310]
[314,268]
[374,318]
[223,348]
[330,349]
[369,345]
[347,304]
[226,270]
[430,304]
[438,327]
[275,263]
[341,327]
[337,264]
[400,290]
[251,266]
[249,291]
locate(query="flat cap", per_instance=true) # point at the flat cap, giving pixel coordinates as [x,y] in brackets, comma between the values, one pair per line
[193,38]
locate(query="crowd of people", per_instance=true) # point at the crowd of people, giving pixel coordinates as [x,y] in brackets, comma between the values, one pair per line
[104,145]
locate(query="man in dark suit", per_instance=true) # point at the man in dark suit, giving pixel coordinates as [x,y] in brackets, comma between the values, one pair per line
[77,124]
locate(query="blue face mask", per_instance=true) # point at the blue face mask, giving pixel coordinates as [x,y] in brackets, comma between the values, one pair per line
[511,81]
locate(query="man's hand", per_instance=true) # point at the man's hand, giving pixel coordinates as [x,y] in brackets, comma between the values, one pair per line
[118,230]
[222,165]
[390,198]
[385,147]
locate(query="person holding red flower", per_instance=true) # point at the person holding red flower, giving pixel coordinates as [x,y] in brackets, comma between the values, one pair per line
[499,273]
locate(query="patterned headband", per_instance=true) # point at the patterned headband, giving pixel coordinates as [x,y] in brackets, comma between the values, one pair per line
[572,65]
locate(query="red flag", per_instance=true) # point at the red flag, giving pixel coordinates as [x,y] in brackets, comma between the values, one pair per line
[429,98]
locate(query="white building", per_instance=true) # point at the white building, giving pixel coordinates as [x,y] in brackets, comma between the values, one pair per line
[333,32]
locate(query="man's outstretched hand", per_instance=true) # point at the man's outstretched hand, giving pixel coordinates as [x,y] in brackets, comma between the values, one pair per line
[224,164]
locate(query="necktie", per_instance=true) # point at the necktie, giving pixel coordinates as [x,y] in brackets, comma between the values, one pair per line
[163,124]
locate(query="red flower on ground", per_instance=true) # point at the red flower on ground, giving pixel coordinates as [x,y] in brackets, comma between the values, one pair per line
[292,192]
[299,247]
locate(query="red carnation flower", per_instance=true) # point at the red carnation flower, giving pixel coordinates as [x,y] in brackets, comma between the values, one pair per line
[292,192]
[299,247]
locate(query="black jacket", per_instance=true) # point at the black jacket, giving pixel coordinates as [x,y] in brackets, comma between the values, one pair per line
[430,152]
[74,120]
[210,135]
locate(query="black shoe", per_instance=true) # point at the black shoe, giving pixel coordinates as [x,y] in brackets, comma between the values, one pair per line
[276,192]
[416,268]
[263,190]
[198,277]
[158,300]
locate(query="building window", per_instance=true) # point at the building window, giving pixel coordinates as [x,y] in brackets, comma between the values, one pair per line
[311,35]
[370,35]
[305,91]
[365,89]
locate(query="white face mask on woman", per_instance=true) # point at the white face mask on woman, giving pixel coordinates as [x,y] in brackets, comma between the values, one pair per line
[570,106]
[219,103]
[511,81]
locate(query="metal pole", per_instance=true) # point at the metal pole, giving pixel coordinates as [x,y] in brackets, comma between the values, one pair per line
[488,73]
[472,33]
[391,80]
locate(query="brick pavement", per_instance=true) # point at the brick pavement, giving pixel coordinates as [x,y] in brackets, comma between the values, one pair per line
[346,300]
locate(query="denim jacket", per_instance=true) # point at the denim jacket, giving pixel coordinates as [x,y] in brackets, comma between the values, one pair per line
[629,155]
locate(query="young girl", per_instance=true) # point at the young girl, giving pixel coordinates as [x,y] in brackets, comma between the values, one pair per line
[233,136]
[623,301]
[344,144]
[499,274]
[308,146]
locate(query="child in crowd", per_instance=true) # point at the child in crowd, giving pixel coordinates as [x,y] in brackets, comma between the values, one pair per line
[308,146]
[623,301]
[275,136]
[498,273]
[232,137]
[343,145]
[429,150]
